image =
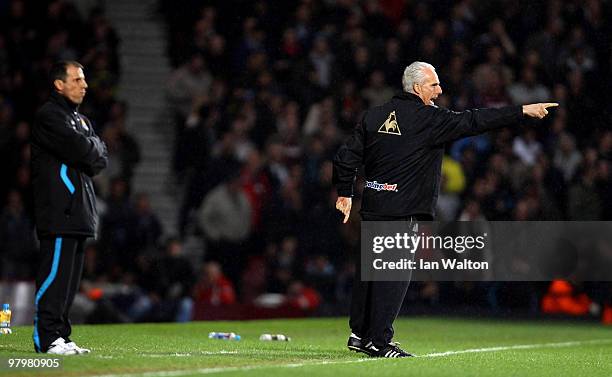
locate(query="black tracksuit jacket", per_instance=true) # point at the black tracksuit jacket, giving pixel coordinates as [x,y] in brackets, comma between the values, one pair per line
[402,162]
[66,153]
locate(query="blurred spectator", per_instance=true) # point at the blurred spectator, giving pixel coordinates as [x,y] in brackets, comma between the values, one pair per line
[498,36]
[605,145]
[17,242]
[548,44]
[214,288]
[323,61]
[254,279]
[103,39]
[604,188]
[320,274]
[257,187]
[168,282]
[283,263]
[580,55]
[321,116]
[115,237]
[192,80]
[394,64]
[225,217]
[584,202]
[93,269]
[526,147]
[302,297]
[567,158]
[186,85]
[453,184]
[377,92]
[144,227]
[491,78]
[213,168]
[123,150]
[528,90]
[471,212]
[540,190]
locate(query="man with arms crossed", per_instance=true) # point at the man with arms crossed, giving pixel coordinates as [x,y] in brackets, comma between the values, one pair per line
[66,153]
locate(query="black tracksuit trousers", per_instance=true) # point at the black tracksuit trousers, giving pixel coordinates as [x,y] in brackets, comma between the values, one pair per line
[57,282]
[376,304]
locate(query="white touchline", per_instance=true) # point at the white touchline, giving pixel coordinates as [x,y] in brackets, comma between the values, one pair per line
[173,354]
[519,347]
[185,372]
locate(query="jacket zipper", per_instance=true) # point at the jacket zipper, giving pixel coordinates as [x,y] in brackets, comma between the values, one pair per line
[89,198]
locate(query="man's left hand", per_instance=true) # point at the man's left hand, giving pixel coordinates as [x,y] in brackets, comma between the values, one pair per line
[344,204]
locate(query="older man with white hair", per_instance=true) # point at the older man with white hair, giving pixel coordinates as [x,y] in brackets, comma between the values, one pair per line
[401,145]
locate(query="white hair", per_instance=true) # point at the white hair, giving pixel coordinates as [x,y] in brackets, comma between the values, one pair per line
[414,74]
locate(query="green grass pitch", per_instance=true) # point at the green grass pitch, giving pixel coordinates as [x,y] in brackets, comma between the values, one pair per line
[446,347]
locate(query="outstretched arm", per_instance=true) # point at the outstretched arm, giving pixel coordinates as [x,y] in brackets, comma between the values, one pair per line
[447,126]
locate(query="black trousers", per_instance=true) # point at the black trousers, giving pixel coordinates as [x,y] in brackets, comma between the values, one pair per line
[376,304]
[57,282]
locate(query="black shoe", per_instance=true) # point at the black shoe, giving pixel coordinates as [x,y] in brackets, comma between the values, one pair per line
[357,344]
[391,350]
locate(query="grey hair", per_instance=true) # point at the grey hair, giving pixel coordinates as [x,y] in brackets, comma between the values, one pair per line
[414,74]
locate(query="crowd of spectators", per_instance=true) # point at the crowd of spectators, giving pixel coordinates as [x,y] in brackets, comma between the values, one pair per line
[262,94]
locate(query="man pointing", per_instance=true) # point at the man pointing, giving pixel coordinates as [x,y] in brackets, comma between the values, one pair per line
[401,145]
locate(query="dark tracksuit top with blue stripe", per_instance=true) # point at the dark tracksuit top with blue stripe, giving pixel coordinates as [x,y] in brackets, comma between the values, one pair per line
[66,153]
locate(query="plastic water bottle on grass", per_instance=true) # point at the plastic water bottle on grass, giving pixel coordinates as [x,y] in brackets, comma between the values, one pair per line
[224,335]
[275,337]
[5,320]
